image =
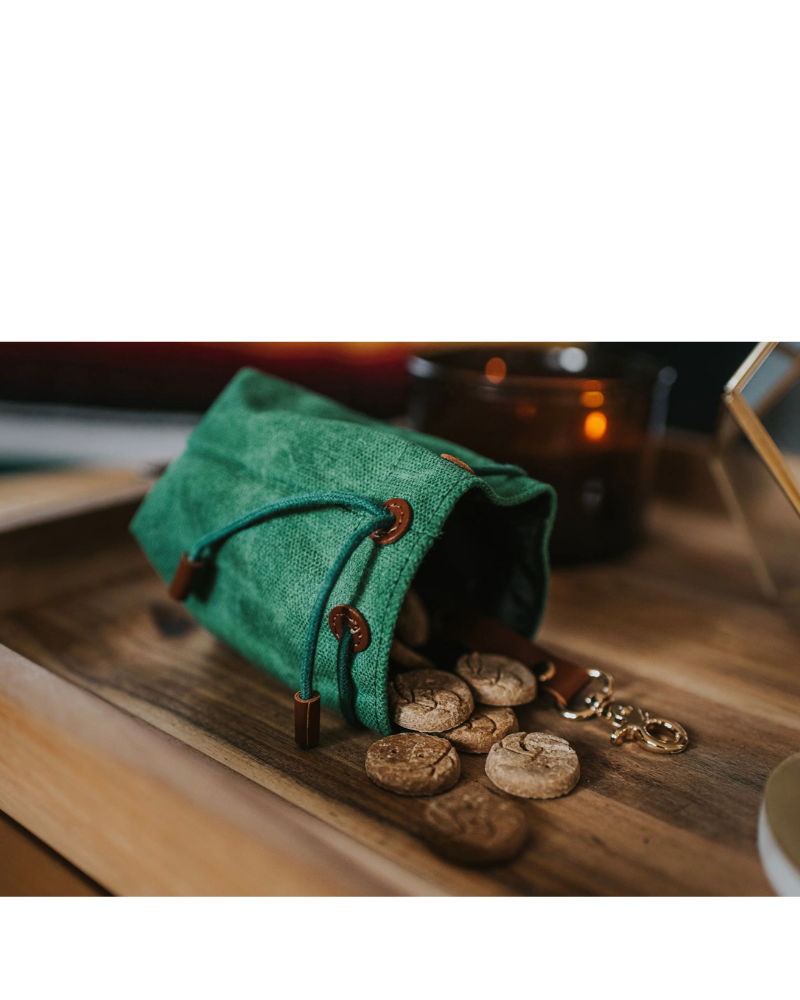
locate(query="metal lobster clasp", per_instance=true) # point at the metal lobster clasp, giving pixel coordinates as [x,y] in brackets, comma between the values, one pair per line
[631,723]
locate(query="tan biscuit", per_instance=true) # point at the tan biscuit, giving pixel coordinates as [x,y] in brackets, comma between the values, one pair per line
[497,680]
[533,765]
[413,624]
[429,701]
[487,725]
[413,764]
[404,658]
[474,826]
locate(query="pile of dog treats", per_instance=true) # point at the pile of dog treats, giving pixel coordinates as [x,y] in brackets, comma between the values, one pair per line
[469,710]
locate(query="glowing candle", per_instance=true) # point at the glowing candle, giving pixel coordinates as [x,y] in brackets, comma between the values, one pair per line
[579,420]
[592,398]
[595,425]
[495,370]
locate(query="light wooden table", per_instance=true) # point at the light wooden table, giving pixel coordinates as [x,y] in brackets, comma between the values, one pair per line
[156,760]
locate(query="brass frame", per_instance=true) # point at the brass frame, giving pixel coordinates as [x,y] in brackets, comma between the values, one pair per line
[747,419]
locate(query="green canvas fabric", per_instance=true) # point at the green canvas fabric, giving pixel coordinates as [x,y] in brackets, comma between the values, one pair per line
[481,541]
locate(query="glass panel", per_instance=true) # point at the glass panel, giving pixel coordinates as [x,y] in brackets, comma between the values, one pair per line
[773,370]
[753,494]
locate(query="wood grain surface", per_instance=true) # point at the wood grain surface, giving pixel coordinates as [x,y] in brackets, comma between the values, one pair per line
[144,814]
[679,624]
[29,867]
[37,497]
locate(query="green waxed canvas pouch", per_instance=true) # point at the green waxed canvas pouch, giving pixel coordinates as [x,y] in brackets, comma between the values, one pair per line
[477,540]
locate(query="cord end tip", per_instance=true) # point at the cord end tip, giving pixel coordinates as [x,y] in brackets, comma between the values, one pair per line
[306,720]
[184,577]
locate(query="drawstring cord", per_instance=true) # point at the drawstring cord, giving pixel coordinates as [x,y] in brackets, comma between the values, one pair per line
[307,501]
[381,518]
[312,634]
[344,677]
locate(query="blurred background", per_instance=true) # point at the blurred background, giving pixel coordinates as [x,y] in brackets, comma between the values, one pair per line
[371,377]
[588,418]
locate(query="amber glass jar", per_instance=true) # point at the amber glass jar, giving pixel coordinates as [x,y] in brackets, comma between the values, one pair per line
[583,420]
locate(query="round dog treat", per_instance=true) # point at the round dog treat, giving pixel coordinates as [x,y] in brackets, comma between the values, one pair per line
[405,658]
[473,826]
[487,725]
[429,701]
[413,764]
[497,680]
[413,624]
[533,765]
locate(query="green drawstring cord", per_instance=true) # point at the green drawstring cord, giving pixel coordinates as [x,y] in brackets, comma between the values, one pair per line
[344,677]
[308,501]
[381,518]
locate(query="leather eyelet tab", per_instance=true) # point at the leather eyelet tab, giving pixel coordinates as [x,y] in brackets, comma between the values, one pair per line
[457,461]
[344,614]
[403,515]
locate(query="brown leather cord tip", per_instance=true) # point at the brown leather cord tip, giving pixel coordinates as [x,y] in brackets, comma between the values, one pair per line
[456,461]
[402,522]
[306,720]
[344,614]
[183,578]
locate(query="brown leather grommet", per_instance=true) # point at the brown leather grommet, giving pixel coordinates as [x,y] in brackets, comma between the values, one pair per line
[306,720]
[184,575]
[456,461]
[402,522]
[345,614]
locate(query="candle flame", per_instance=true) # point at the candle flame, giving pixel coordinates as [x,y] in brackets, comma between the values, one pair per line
[595,425]
[495,370]
[592,398]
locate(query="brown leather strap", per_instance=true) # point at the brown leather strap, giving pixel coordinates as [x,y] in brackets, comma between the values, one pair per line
[488,635]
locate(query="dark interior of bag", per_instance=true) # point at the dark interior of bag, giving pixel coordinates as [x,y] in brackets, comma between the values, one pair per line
[490,559]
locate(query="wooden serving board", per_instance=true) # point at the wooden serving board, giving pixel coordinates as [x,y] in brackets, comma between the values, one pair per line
[679,625]
[35,497]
